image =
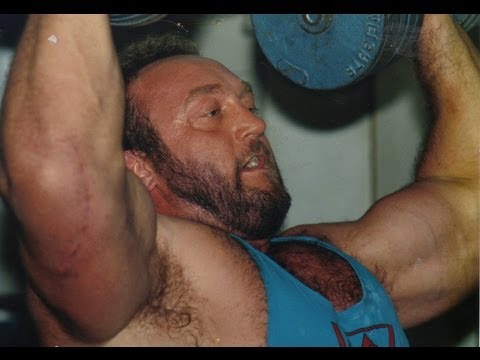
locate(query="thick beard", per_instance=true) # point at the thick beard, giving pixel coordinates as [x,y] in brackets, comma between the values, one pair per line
[251,213]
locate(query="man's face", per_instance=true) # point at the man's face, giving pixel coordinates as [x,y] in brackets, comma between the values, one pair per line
[219,160]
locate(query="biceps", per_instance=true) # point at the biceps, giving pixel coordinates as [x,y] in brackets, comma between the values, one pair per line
[425,240]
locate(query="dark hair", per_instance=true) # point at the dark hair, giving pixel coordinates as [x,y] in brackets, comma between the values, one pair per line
[139,133]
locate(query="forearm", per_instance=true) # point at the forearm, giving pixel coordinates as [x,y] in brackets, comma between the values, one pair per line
[64,97]
[449,68]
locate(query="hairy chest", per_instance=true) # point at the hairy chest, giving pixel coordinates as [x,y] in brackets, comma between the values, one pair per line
[235,312]
[320,269]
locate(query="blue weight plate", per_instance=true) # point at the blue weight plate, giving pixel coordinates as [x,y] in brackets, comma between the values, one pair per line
[324,57]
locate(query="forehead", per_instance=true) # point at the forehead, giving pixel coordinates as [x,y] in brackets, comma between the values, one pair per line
[172,79]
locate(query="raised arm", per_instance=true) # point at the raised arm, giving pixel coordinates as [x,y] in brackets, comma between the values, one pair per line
[86,223]
[423,240]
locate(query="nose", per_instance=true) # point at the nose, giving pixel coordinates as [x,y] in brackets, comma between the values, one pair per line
[248,124]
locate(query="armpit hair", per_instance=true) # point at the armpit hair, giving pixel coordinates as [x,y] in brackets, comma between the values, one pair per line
[168,308]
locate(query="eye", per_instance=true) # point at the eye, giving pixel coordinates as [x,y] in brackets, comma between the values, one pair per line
[213,113]
[254,110]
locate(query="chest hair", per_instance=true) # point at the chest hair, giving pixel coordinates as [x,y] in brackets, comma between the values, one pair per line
[321,270]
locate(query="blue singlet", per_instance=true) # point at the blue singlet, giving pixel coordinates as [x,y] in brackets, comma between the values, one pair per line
[299,316]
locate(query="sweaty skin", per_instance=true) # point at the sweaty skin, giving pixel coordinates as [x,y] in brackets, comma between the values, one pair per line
[115,257]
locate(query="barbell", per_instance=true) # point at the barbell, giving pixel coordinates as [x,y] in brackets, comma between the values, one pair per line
[328,51]
[134,19]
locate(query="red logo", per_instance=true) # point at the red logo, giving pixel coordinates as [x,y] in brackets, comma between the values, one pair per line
[366,337]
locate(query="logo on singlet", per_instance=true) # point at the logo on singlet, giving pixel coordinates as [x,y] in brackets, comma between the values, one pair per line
[372,336]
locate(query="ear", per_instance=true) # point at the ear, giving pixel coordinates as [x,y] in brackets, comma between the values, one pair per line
[140,167]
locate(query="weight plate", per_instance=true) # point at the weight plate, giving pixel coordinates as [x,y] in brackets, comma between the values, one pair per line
[339,50]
